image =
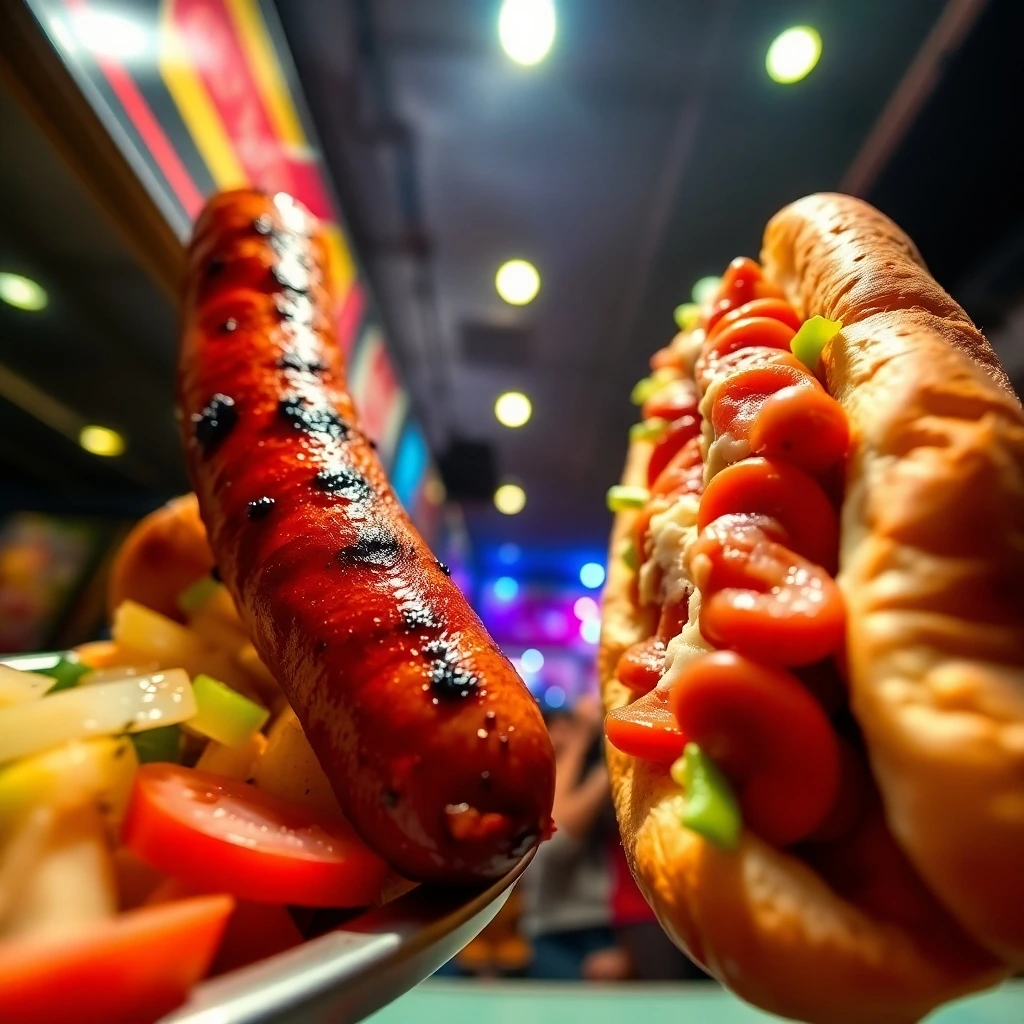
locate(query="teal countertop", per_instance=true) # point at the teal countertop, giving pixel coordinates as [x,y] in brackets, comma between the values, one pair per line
[479,1002]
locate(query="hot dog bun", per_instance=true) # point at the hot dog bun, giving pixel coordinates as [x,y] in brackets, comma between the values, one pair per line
[932,553]
[762,920]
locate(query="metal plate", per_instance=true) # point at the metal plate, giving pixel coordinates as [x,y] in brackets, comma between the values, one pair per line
[349,972]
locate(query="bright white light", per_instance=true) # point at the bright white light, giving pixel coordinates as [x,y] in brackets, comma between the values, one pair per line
[110,35]
[22,293]
[590,630]
[526,29]
[505,588]
[509,553]
[586,608]
[705,289]
[592,575]
[517,282]
[510,499]
[101,441]
[532,660]
[554,696]
[793,54]
[513,409]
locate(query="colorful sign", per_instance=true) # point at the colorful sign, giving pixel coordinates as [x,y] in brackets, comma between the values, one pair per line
[201,96]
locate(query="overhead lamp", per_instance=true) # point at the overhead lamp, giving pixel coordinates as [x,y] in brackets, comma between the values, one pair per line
[586,608]
[101,441]
[592,575]
[22,292]
[705,289]
[111,35]
[510,499]
[793,54]
[513,409]
[517,282]
[526,29]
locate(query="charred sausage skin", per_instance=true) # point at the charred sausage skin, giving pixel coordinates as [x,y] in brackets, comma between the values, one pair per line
[436,750]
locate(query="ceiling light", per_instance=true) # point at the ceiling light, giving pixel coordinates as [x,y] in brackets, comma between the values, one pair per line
[510,499]
[590,630]
[586,608]
[505,588]
[101,441]
[705,290]
[22,292]
[517,282]
[526,29]
[513,409]
[110,35]
[592,575]
[793,54]
[532,660]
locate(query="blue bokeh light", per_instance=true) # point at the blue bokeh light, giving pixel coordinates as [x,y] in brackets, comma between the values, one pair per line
[505,588]
[592,575]
[509,553]
[554,696]
[532,660]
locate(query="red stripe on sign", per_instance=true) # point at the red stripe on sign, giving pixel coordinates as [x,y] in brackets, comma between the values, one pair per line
[350,318]
[142,117]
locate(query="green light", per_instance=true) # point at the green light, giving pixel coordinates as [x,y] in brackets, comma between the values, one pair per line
[793,55]
[22,292]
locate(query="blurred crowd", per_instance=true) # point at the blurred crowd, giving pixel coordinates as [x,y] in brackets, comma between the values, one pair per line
[577,914]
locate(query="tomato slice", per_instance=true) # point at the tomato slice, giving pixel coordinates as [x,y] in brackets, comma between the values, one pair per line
[665,448]
[677,398]
[741,395]
[776,309]
[772,488]
[641,666]
[769,736]
[761,599]
[646,728]
[801,425]
[684,473]
[132,969]
[755,330]
[221,835]
[742,282]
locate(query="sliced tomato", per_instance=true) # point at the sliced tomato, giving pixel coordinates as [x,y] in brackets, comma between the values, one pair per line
[776,309]
[684,473]
[665,448]
[646,728]
[226,836]
[677,398]
[783,492]
[741,395]
[641,666]
[742,282]
[131,969]
[802,425]
[755,330]
[769,736]
[761,599]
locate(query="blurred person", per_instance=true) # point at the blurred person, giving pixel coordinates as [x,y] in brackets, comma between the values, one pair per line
[567,889]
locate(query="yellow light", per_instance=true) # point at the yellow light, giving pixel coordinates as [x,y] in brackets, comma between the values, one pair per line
[526,29]
[513,409]
[793,54]
[22,292]
[704,290]
[101,441]
[517,282]
[510,499]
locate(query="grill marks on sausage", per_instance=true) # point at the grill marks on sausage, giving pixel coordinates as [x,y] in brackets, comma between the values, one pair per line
[345,482]
[417,615]
[448,679]
[375,546]
[213,424]
[312,419]
[260,508]
[295,360]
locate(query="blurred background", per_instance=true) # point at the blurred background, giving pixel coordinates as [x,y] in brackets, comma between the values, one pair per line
[519,194]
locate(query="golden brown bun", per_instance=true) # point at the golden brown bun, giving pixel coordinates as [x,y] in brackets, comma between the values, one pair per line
[932,555]
[165,553]
[759,919]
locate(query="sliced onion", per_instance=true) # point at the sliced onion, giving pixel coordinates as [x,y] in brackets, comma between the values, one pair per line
[146,702]
[18,687]
[116,673]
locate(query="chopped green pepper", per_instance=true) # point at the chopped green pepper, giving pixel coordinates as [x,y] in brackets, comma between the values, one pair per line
[224,714]
[629,556]
[193,597]
[648,430]
[67,672]
[162,744]
[809,342]
[621,497]
[647,387]
[687,316]
[711,808]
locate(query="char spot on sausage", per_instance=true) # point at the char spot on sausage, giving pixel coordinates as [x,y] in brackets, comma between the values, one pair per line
[263,224]
[260,508]
[444,568]
[215,573]
[451,681]
[312,419]
[345,482]
[295,361]
[229,325]
[374,546]
[296,308]
[389,798]
[215,266]
[417,615]
[215,421]
[289,273]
